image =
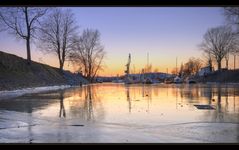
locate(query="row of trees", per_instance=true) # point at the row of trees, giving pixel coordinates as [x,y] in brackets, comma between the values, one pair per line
[221,42]
[190,68]
[55,31]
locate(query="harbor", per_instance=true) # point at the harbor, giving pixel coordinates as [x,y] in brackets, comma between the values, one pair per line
[119,75]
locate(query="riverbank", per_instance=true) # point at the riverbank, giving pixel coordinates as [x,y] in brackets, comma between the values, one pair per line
[225,76]
[16,74]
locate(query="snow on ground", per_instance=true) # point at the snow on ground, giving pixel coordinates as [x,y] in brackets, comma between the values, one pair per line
[20,92]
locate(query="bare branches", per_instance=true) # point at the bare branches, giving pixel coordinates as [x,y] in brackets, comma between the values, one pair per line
[57,34]
[89,53]
[191,67]
[21,22]
[218,42]
[232,15]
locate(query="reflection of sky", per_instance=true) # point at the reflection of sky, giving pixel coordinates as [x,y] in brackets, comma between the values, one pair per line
[150,104]
[166,33]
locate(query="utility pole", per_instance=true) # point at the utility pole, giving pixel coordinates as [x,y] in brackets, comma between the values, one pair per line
[147,62]
[176,65]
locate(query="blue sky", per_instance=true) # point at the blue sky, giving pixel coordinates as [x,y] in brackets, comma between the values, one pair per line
[164,32]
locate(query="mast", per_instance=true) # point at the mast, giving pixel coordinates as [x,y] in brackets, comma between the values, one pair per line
[147,62]
[176,65]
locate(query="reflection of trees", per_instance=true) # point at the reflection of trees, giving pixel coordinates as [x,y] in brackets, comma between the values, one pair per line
[192,93]
[29,128]
[62,108]
[88,107]
[225,105]
[189,92]
[145,92]
[219,113]
[86,103]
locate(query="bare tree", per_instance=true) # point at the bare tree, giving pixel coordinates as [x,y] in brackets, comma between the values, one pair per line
[22,22]
[181,70]
[235,49]
[57,34]
[191,67]
[232,16]
[89,53]
[218,41]
[208,59]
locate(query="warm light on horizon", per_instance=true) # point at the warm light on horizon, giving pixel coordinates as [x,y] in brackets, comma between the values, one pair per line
[165,33]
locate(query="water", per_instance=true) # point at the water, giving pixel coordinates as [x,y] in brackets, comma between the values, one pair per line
[112,112]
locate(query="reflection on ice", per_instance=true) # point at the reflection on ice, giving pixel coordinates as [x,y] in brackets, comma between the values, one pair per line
[165,112]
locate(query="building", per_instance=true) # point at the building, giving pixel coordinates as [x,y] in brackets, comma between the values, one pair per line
[205,71]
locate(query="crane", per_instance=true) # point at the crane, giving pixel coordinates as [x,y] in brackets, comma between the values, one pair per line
[128,65]
[127,79]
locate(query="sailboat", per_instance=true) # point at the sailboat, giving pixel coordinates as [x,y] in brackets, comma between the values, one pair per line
[177,79]
[148,80]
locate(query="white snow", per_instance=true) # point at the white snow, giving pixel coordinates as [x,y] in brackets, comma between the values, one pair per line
[20,92]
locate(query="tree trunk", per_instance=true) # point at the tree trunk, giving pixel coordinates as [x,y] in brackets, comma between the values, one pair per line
[28,51]
[61,66]
[28,36]
[227,63]
[89,78]
[234,62]
[219,65]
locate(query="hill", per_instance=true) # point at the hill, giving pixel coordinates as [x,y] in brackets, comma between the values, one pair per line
[15,73]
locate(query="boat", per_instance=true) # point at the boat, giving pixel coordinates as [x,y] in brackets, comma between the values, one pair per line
[148,81]
[177,80]
[156,81]
[190,81]
[118,81]
[168,81]
[129,81]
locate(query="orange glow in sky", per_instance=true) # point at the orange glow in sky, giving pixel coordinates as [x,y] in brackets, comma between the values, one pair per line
[164,33]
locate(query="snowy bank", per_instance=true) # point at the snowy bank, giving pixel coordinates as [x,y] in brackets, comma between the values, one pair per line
[20,92]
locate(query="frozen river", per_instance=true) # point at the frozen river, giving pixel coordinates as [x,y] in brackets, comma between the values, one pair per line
[118,113]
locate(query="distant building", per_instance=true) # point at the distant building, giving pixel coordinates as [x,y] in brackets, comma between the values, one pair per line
[205,71]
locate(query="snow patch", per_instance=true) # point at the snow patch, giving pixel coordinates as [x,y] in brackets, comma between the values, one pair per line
[20,92]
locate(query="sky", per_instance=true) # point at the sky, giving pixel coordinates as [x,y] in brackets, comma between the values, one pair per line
[163,32]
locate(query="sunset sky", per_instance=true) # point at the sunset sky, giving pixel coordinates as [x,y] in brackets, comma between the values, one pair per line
[164,33]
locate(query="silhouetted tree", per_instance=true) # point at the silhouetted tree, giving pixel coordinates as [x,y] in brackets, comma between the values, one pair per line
[232,16]
[191,67]
[88,53]
[218,41]
[208,59]
[57,34]
[22,22]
